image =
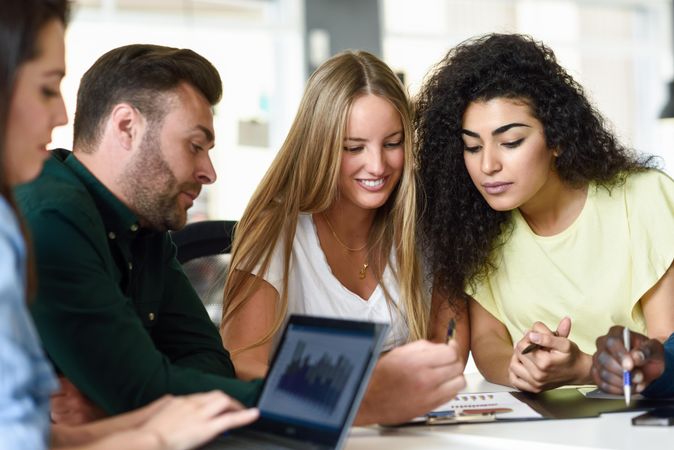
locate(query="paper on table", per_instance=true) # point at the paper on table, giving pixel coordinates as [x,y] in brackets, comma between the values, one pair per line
[464,403]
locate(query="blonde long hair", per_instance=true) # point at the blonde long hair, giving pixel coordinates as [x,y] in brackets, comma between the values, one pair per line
[303,178]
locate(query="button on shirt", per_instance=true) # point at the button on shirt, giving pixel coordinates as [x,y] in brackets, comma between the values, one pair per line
[116,312]
[26,377]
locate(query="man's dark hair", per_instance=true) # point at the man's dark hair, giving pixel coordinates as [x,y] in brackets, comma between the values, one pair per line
[138,74]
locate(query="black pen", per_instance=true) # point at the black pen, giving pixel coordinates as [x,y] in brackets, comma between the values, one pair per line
[531,347]
[451,327]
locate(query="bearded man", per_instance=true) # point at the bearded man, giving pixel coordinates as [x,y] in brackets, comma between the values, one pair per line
[117,316]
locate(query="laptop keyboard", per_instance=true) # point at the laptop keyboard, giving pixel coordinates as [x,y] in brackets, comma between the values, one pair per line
[257,442]
[244,443]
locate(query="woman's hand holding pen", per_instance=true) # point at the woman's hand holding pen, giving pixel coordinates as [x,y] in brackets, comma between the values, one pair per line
[645,360]
[555,361]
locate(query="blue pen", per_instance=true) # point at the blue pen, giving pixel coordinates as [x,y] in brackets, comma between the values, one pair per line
[450,329]
[627,376]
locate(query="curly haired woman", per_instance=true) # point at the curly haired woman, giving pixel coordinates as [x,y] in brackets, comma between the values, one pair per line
[539,223]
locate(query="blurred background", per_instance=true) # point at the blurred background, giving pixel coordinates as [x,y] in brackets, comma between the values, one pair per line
[622,52]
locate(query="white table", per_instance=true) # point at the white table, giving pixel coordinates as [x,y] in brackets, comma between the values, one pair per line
[609,431]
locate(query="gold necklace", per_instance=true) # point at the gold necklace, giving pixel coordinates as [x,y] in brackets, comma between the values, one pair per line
[363,270]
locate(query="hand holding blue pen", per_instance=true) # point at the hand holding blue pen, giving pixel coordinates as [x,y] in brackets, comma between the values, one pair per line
[627,375]
[621,351]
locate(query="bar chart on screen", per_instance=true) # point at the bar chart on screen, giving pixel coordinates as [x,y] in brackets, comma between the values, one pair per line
[315,376]
[319,381]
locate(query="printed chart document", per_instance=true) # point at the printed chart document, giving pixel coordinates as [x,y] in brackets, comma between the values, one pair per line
[561,403]
[479,407]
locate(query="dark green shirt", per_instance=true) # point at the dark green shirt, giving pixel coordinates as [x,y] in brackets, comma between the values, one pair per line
[116,313]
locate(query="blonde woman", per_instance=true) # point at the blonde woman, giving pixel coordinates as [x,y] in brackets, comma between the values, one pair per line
[331,231]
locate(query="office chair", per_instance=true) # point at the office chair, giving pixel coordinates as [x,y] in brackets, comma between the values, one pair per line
[203,250]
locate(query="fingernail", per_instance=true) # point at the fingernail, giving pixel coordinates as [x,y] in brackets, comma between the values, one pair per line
[639,356]
[535,337]
[638,377]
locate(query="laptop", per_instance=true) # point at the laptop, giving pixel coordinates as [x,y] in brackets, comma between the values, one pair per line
[314,386]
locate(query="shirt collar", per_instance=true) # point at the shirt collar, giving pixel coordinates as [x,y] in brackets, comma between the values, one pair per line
[117,217]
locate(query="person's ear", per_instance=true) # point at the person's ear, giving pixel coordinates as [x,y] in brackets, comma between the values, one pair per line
[127,124]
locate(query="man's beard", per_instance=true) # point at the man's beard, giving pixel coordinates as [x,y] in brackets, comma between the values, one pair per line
[152,189]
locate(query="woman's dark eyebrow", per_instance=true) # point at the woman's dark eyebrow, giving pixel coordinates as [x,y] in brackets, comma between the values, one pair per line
[499,130]
[504,128]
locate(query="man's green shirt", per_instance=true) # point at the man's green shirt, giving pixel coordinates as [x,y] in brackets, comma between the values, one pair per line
[116,314]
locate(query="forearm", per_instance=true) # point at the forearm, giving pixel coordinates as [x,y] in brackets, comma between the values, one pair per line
[64,435]
[410,381]
[490,343]
[492,357]
[369,411]
[128,440]
[366,414]
[71,436]
[583,370]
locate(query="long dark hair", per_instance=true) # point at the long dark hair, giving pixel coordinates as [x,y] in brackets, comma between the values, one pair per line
[459,229]
[20,24]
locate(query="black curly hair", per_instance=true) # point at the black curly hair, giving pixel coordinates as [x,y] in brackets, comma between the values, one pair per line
[460,232]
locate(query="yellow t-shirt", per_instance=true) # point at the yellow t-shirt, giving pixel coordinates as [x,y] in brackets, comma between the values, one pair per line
[595,271]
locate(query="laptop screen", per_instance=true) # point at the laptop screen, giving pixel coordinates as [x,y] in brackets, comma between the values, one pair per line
[315,377]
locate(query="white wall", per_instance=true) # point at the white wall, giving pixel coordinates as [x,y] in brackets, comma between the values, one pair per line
[620,50]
